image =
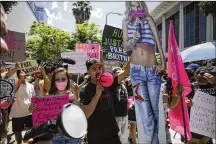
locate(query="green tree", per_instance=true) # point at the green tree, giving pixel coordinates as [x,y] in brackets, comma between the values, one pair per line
[88,31]
[81,11]
[47,42]
[208,7]
[7,5]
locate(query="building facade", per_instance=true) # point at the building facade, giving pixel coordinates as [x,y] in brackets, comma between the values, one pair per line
[21,18]
[191,26]
[39,11]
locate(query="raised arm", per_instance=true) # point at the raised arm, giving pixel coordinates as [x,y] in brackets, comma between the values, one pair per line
[125,72]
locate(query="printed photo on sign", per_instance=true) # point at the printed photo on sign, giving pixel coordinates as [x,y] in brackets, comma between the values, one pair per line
[203,114]
[47,108]
[7,88]
[112,44]
[16,45]
[29,67]
[92,50]
[80,58]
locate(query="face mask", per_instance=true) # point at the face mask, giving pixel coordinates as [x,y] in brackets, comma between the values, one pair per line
[61,85]
[137,14]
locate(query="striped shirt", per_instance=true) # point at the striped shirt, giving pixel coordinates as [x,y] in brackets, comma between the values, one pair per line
[145,32]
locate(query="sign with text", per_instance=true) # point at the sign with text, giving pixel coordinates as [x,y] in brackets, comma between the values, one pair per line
[112,44]
[110,64]
[203,114]
[92,50]
[29,67]
[80,58]
[7,89]
[16,45]
[47,108]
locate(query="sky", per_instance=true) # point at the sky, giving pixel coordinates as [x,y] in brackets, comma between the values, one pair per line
[60,14]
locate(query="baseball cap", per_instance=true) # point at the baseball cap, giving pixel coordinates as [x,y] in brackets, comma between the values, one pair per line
[192,67]
[92,62]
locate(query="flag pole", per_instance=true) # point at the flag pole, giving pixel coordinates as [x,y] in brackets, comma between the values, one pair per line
[178,77]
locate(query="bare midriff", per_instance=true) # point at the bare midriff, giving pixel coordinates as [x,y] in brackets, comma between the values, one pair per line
[144,55]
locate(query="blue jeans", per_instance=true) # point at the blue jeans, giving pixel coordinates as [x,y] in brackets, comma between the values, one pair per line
[146,85]
[64,140]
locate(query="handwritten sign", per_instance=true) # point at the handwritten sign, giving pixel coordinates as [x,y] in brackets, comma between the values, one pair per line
[203,114]
[7,88]
[110,64]
[92,50]
[29,67]
[16,45]
[80,58]
[47,108]
[112,44]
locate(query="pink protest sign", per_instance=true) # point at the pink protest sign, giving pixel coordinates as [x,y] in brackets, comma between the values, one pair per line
[93,50]
[47,108]
[16,45]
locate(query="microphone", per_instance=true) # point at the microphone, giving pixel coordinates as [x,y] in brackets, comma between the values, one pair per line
[68,61]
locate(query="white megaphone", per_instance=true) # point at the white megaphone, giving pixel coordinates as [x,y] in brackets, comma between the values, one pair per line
[71,123]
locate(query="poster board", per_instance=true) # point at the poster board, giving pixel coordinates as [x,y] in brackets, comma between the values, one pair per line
[16,45]
[47,108]
[110,64]
[29,67]
[92,50]
[203,114]
[112,44]
[7,89]
[80,58]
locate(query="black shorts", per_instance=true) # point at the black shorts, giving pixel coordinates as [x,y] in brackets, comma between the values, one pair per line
[18,124]
[132,114]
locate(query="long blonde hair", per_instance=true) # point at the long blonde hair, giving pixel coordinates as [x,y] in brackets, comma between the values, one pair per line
[128,9]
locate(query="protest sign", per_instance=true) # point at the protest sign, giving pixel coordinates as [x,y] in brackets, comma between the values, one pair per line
[7,88]
[92,50]
[16,45]
[80,58]
[110,64]
[202,117]
[112,44]
[47,108]
[29,67]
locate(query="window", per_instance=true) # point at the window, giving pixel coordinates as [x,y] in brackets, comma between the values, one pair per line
[189,25]
[214,28]
[175,19]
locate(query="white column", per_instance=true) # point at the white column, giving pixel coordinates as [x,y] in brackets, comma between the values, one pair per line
[164,33]
[181,26]
[209,28]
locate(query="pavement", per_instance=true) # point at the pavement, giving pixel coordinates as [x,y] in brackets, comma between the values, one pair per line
[176,140]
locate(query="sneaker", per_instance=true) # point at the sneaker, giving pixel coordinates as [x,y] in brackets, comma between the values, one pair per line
[130,140]
[3,141]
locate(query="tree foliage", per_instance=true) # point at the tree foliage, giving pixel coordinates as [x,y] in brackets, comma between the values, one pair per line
[47,42]
[8,5]
[208,7]
[81,11]
[88,31]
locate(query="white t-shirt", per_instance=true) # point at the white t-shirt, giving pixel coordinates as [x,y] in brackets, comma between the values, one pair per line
[23,98]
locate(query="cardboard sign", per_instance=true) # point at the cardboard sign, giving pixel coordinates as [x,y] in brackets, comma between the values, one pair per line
[92,50]
[16,45]
[80,58]
[47,108]
[7,89]
[29,67]
[110,64]
[203,114]
[112,44]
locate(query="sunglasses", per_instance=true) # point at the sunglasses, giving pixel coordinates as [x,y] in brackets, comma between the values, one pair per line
[60,80]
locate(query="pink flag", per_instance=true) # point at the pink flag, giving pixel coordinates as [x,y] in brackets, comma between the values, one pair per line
[179,120]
